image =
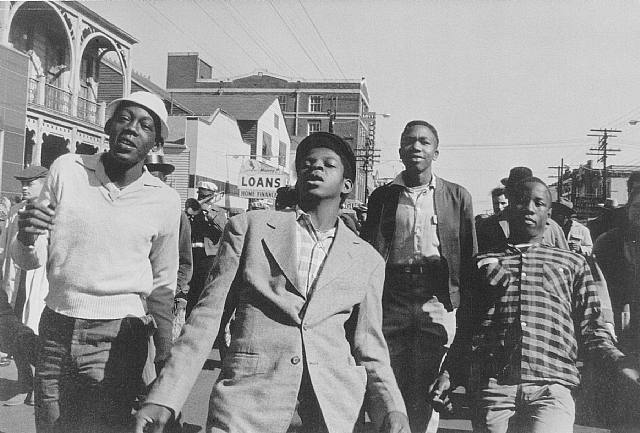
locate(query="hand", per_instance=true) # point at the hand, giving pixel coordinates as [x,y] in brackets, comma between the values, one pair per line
[574,246]
[439,394]
[34,220]
[395,422]
[152,418]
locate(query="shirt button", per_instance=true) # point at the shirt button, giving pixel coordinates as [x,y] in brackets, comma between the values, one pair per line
[305,328]
[295,360]
[524,274]
[523,324]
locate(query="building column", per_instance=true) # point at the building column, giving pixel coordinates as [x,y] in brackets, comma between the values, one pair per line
[37,147]
[5,25]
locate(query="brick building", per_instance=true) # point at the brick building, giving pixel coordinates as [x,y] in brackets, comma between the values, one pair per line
[307,106]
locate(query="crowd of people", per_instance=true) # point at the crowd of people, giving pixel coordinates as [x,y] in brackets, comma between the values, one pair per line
[325,318]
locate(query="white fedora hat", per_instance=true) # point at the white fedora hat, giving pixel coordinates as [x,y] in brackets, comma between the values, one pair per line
[150,101]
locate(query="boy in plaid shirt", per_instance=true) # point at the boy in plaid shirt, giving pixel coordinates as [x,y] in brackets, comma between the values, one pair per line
[530,308]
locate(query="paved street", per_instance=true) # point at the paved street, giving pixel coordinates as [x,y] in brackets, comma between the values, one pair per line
[19,419]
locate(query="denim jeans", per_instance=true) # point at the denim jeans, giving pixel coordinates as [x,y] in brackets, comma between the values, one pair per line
[526,408]
[418,329]
[88,372]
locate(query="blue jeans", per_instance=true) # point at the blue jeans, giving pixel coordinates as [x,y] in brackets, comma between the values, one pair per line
[526,408]
[88,372]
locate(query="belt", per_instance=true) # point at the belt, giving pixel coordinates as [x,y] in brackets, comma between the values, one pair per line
[197,245]
[415,269]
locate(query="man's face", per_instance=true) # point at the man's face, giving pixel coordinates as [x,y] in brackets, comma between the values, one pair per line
[204,192]
[418,148]
[499,203]
[529,209]
[633,210]
[132,134]
[322,175]
[31,188]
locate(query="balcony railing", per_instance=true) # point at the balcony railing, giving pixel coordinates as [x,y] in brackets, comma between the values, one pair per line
[87,109]
[57,99]
[33,91]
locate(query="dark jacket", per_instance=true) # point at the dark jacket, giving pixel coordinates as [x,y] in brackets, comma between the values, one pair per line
[456,230]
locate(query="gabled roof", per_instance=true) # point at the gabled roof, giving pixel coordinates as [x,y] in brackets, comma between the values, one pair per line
[241,107]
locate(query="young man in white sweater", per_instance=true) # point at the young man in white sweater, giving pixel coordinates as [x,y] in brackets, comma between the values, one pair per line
[111,230]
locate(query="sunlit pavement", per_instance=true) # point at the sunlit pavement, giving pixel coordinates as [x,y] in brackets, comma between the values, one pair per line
[19,419]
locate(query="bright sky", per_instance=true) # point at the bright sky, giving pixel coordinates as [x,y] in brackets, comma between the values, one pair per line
[506,83]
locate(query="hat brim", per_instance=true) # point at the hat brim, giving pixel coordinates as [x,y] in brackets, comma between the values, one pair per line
[504,181]
[113,105]
[167,169]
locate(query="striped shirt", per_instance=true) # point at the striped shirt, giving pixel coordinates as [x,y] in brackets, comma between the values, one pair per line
[312,247]
[527,305]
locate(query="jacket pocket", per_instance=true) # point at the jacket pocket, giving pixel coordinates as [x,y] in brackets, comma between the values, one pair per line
[241,364]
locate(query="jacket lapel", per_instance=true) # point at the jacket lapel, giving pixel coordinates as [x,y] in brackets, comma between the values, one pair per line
[281,243]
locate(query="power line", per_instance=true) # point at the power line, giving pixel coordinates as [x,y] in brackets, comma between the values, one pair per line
[221,64]
[296,38]
[225,32]
[270,53]
[322,39]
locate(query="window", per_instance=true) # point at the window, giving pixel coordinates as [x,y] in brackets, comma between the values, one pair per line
[276,121]
[315,103]
[282,99]
[313,126]
[266,145]
[282,154]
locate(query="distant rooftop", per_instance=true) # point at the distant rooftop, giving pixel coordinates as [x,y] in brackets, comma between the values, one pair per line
[241,107]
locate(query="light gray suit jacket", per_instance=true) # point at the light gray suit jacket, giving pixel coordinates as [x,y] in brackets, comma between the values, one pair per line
[336,332]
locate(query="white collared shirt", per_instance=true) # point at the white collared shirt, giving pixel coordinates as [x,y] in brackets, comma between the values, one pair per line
[416,233]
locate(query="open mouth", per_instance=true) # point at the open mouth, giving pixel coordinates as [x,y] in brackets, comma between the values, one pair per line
[124,143]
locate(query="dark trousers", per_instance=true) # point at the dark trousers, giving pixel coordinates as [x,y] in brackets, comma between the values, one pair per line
[308,416]
[202,264]
[88,373]
[418,329]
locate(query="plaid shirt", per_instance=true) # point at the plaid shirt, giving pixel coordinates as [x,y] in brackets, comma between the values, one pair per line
[529,308]
[312,247]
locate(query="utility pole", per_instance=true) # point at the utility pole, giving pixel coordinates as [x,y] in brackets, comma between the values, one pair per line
[332,118]
[603,152]
[368,155]
[559,176]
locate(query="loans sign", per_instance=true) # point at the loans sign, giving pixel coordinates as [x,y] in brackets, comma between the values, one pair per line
[260,184]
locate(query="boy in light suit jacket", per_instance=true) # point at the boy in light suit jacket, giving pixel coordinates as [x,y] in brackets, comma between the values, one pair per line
[308,332]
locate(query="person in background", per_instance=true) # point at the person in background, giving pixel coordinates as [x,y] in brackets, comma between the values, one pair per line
[499,200]
[109,230]
[577,234]
[423,227]
[25,289]
[614,216]
[207,223]
[307,348]
[159,168]
[531,309]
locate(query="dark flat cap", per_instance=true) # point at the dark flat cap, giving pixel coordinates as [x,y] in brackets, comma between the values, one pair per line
[156,162]
[329,141]
[32,173]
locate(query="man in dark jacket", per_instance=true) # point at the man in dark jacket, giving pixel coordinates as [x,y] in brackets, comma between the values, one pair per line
[423,226]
